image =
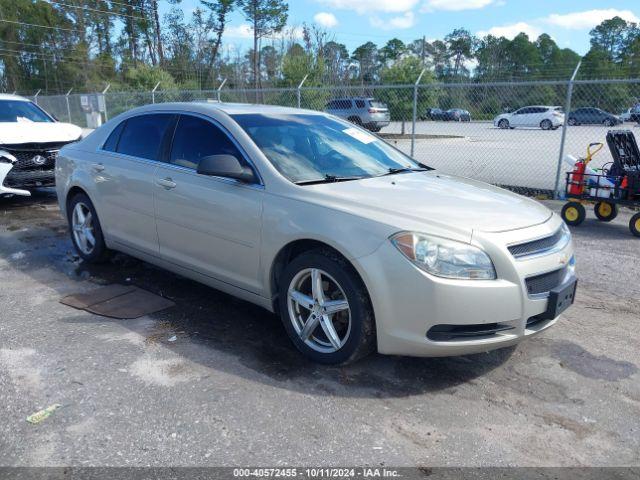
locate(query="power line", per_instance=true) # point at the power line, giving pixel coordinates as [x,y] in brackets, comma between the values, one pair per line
[104,12]
[41,26]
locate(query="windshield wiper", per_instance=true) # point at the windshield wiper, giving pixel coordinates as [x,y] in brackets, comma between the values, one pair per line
[328,179]
[393,171]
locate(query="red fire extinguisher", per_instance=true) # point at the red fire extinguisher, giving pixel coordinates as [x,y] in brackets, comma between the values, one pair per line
[577,178]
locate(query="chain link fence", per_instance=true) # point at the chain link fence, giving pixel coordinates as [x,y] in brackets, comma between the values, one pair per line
[451,127]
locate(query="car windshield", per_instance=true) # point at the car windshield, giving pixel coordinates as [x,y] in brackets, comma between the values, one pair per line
[307,148]
[20,111]
[377,104]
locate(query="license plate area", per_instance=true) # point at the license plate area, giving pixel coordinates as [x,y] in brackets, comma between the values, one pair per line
[559,300]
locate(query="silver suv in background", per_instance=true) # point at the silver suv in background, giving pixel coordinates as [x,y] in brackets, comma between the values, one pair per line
[367,112]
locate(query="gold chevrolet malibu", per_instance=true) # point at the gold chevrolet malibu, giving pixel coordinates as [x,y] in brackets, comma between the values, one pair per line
[354,244]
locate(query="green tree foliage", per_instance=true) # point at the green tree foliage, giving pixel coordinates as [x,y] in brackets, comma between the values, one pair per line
[400,100]
[266,17]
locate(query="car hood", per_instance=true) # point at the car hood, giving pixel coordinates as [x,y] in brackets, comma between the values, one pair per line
[431,198]
[37,132]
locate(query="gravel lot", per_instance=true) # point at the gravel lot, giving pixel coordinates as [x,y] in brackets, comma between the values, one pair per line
[231,390]
[521,157]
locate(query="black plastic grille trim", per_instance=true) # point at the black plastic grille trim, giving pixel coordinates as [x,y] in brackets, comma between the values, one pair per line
[536,246]
[545,283]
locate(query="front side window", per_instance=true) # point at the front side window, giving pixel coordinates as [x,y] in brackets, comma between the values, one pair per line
[142,136]
[306,148]
[196,138]
[16,111]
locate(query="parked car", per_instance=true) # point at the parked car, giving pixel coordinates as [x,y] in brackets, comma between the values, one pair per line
[436,114]
[631,115]
[459,115]
[357,246]
[370,113]
[593,116]
[454,114]
[545,117]
[30,139]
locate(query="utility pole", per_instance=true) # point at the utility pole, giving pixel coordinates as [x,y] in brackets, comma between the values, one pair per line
[424,50]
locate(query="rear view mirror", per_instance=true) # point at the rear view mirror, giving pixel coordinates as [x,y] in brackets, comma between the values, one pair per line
[225,166]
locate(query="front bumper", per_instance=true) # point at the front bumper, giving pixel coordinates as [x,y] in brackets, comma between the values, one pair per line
[408,302]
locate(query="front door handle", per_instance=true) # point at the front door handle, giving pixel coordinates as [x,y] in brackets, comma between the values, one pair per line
[166,183]
[98,167]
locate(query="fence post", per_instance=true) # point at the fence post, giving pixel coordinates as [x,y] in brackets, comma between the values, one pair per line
[567,109]
[299,87]
[415,111]
[153,93]
[66,97]
[35,97]
[106,89]
[220,88]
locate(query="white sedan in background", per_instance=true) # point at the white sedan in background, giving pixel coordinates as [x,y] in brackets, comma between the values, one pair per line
[30,139]
[537,116]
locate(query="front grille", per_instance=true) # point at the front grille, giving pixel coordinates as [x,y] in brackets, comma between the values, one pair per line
[26,172]
[536,246]
[545,283]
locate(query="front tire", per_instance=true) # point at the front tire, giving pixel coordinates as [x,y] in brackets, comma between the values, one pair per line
[573,213]
[86,232]
[503,124]
[608,122]
[572,122]
[325,308]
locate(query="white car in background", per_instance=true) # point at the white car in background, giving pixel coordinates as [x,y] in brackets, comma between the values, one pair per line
[536,116]
[30,139]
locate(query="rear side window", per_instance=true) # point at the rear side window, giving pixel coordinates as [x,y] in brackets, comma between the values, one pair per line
[142,136]
[196,138]
[360,103]
[112,142]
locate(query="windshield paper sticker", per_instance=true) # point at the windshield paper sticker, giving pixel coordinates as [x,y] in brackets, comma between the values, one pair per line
[360,135]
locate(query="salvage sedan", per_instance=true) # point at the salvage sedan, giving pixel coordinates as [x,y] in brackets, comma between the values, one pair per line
[355,245]
[30,139]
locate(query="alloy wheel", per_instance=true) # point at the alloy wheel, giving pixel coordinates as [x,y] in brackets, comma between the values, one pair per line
[82,228]
[319,310]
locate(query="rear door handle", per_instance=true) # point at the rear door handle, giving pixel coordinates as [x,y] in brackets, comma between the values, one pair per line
[98,167]
[166,183]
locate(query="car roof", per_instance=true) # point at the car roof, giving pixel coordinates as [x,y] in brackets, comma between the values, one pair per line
[9,96]
[228,108]
[352,98]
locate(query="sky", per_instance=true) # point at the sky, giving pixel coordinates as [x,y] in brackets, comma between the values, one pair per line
[354,22]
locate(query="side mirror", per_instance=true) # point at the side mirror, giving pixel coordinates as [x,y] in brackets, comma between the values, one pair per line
[225,166]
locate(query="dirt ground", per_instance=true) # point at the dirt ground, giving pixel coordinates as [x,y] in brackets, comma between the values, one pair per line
[231,390]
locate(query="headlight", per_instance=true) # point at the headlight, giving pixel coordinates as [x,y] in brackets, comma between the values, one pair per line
[445,258]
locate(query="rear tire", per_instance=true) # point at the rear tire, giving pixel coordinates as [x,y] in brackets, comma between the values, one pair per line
[634,225]
[355,120]
[605,211]
[546,125]
[573,213]
[572,122]
[86,232]
[341,337]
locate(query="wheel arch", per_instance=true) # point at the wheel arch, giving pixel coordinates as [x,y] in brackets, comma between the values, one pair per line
[294,249]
